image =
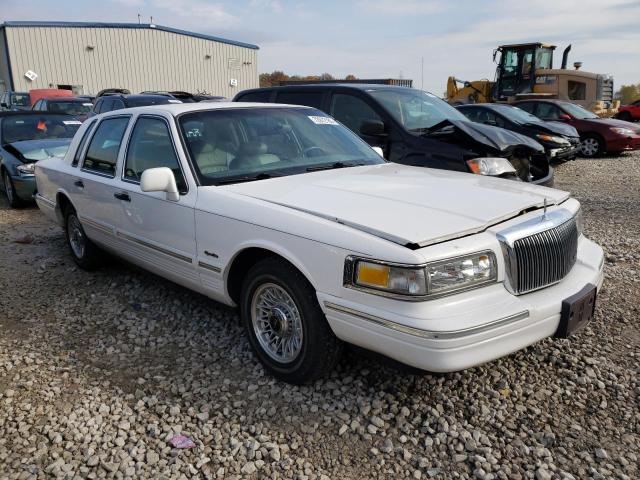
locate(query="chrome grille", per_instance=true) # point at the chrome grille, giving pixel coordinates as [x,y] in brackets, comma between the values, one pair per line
[543,258]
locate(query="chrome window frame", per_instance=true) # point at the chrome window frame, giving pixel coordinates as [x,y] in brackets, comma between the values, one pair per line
[173,144]
[84,155]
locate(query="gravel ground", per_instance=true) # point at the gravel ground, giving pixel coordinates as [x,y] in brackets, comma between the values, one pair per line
[99,370]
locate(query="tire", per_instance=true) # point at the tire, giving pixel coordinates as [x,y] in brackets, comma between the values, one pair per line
[591,146]
[10,191]
[84,252]
[278,293]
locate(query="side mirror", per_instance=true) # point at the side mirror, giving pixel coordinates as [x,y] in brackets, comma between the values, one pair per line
[4,105]
[378,150]
[373,128]
[160,179]
[564,116]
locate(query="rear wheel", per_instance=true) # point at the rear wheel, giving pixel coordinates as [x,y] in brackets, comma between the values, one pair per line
[10,191]
[591,146]
[285,325]
[84,252]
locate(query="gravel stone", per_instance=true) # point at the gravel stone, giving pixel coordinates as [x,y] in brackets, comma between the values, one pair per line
[99,370]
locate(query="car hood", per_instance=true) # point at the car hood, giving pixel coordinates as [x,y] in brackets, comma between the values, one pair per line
[411,206]
[556,128]
[34,150]
[496,138]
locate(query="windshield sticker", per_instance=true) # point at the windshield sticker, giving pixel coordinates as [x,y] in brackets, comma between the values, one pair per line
[322,120]
[71,122]
[174,101]
[87,104]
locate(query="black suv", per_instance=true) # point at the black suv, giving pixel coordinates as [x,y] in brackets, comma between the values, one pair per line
[413,127]
[117,101]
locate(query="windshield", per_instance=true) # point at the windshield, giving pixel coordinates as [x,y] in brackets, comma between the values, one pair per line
[36,152]
[516,114]
[242,144]
[414,109]
[71,108]
[16,128]
[577,111]
[20,99]
[146,101]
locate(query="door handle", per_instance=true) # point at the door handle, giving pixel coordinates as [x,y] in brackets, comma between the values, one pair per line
[79,184]
[122,196]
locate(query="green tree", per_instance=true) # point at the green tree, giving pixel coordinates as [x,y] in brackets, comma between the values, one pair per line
[629,93]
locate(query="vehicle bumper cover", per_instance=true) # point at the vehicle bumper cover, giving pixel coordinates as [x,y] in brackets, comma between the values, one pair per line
[624,143]
[25,187]
[546,181]
[497,323]
[568,152]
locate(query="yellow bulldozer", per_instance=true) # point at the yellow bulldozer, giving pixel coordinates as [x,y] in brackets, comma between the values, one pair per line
[526,71]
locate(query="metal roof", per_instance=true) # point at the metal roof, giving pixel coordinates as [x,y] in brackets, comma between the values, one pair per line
[145,26]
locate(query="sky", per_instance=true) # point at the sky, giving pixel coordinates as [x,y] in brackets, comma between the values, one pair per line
[384,38]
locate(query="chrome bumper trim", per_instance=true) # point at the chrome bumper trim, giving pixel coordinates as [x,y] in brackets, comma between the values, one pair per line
[45,200]
[416,332]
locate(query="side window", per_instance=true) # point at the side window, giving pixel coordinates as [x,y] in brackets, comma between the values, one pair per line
[150,146]
[528,107]
[548,111]
[309,99]
[83,141]
[98,106]
[577,90]
[37,105]
[352,111]
[472,114]
[102,153]
[260,97]
[117,104]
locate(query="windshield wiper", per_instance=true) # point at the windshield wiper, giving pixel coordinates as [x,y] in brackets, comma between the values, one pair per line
[332,166]
[246,178]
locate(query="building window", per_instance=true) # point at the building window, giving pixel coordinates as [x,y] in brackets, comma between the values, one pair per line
[577,90]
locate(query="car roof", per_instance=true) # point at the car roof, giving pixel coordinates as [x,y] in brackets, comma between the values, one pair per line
[65,99]
[318,86]
[176,109]
[33,112]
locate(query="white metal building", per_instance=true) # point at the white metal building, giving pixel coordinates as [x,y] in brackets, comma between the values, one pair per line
[88,57]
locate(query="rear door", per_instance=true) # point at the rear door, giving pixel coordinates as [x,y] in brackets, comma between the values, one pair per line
[92,191]
[156,232]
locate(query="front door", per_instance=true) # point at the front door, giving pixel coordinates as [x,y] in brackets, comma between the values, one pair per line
[157,232]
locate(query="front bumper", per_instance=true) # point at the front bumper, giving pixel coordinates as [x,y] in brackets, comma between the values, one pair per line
[563,153]
[464,330]
[25,187]
[623,143]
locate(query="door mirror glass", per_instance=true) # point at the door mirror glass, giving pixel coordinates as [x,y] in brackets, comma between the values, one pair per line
[4,105]
[564,116]
[379,151]
[160,179]
[374,128]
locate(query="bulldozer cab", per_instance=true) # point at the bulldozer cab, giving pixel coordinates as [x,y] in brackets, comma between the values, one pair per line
[517,67]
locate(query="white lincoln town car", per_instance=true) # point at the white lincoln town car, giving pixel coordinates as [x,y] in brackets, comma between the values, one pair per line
[284,212]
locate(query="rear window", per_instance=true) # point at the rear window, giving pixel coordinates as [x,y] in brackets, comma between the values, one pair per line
[309,99]
[20,99]
[16,128]
[259,97]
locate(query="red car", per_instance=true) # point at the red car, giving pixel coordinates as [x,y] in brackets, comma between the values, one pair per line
[597,135]
[629,112]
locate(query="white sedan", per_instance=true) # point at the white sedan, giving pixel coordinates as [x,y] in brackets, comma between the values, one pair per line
[287,214]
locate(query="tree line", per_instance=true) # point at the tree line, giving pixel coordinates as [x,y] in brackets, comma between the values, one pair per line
[629,93]
[273,79]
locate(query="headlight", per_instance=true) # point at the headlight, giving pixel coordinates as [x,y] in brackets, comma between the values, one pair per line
[432,280]
[493,166]
[622,131]
[551,138]
[27,169]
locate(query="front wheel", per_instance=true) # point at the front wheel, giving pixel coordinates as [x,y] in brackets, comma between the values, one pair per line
[286,327]
[84,252]
[591,146]
[10,191]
